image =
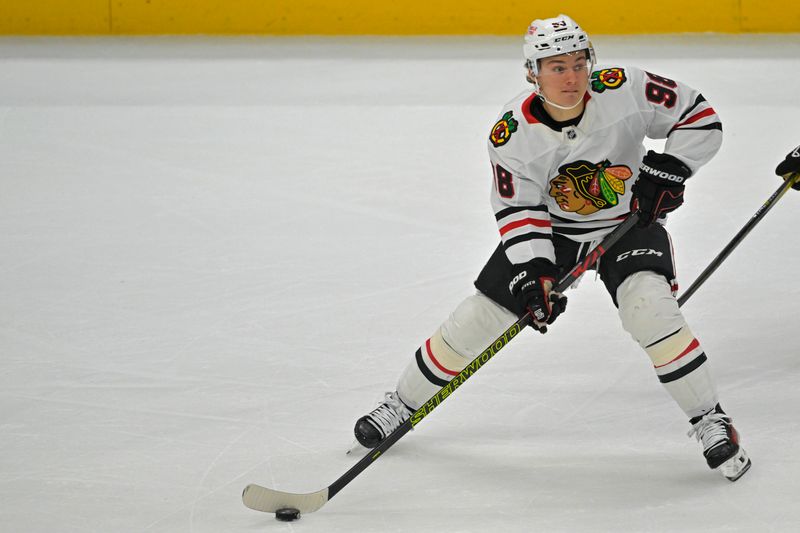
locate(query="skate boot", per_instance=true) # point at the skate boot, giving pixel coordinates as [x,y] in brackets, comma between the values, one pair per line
[721,444]
[371,429]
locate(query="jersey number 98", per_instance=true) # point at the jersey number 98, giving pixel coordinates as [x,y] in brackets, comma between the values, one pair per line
[659,90]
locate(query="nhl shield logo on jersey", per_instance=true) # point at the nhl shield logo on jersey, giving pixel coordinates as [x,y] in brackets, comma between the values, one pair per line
[608,78]
[502,130]
[585,188]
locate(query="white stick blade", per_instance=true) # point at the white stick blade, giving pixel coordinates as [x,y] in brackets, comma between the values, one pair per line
[267,500]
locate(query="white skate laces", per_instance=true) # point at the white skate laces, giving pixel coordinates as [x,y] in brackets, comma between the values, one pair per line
[711,430]
[389,414]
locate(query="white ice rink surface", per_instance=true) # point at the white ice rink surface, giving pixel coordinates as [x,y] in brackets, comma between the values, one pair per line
[216,254]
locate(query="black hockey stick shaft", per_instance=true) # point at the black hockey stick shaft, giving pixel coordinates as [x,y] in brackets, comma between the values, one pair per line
[591,259]
[738,238]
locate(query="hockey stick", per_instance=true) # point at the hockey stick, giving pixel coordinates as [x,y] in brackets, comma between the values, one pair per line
[270,501]
[755,219]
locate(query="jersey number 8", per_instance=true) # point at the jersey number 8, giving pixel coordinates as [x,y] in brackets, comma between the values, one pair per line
[505,182]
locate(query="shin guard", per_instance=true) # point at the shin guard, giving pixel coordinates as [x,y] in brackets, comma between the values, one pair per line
[469,329]
[650,313]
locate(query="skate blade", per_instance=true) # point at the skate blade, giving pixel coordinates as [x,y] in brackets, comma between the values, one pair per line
[357,449]
[736,466]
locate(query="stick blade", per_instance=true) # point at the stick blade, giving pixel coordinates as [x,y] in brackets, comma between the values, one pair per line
[267,500]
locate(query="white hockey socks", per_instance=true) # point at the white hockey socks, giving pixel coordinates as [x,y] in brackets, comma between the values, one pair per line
[650,313]
[470,328]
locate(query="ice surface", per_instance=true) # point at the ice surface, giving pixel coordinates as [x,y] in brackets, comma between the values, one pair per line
[215,254]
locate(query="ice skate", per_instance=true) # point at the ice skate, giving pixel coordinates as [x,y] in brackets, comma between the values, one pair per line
[371,429]
[721,444]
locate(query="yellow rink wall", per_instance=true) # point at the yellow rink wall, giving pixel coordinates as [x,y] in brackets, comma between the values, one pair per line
[378,17]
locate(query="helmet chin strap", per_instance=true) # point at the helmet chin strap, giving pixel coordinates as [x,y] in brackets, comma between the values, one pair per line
[541,95]
[531,77]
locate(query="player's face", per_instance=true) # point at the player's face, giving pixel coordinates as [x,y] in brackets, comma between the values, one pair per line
[564,79]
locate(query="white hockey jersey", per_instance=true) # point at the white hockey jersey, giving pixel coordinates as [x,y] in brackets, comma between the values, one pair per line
[576,182]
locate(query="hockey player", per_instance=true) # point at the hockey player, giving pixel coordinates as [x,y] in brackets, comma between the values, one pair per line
[569,166]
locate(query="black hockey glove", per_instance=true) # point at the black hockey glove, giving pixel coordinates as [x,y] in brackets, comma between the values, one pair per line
[789,166]
[659,188]
[531,287]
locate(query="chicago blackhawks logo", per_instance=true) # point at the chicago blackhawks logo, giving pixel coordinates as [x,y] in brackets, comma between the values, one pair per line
[585,188]
[609,78]
[501,132]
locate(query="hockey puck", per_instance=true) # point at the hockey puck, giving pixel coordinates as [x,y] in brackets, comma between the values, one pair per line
[287,514]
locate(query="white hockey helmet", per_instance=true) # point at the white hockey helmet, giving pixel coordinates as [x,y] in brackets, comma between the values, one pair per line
[552,37]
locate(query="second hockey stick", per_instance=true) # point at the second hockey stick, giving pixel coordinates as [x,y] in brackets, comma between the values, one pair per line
[755,219]
[269,500]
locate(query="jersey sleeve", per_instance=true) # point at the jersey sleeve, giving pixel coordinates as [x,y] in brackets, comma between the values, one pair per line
[681,115]
[523,219]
